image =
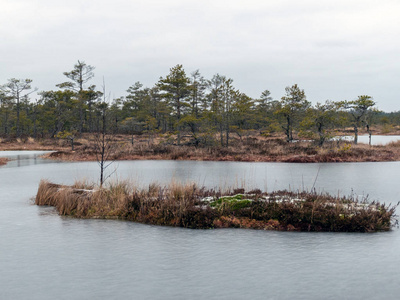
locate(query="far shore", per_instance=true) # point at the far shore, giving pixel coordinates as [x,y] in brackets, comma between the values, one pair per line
[252,148]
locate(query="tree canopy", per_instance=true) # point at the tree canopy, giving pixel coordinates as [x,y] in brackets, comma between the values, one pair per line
[190,107]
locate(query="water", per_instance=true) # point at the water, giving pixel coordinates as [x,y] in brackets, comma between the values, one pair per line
[45,256]
[375,139]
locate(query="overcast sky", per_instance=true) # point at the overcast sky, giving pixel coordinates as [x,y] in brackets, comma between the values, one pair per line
[333,50]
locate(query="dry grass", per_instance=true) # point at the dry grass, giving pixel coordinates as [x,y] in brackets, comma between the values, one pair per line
[257,149]
[29,143]
[190,206]
[252,148]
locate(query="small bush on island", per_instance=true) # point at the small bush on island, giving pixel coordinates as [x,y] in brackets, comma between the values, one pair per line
[191,206]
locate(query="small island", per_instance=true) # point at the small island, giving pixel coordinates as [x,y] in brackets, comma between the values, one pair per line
[185,117]
[191,206]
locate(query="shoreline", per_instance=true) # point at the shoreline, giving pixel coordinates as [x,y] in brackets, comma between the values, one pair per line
[251,149]
[66,156]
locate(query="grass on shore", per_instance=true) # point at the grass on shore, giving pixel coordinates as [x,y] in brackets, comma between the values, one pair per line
[250,148]
[191,206]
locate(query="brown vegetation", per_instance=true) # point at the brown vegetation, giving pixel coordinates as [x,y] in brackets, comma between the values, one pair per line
[28,143]
[3,160]
[190,206]
[251,148]
[256,149]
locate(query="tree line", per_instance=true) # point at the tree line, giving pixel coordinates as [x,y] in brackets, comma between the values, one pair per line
[191,108]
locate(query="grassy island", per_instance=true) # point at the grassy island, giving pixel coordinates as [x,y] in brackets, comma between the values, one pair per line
[191,206]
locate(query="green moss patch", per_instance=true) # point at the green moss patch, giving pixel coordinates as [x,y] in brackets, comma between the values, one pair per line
[235,202]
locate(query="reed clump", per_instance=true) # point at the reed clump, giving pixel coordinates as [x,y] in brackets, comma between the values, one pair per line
[191,206]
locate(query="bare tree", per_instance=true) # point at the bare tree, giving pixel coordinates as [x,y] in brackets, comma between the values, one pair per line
[104,142]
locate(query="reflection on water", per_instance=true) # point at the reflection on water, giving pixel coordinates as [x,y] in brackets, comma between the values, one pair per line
[45,256]
[23,158]
[22,154]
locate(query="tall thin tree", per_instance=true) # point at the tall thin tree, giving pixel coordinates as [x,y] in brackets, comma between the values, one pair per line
[17,89]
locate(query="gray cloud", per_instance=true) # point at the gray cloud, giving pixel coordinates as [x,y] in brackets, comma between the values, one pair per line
[333,49]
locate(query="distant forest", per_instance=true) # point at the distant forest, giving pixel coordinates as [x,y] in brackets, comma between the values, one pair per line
[191,108]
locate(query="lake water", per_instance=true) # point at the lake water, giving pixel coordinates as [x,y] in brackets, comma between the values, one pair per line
[375,139]
[45,256]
